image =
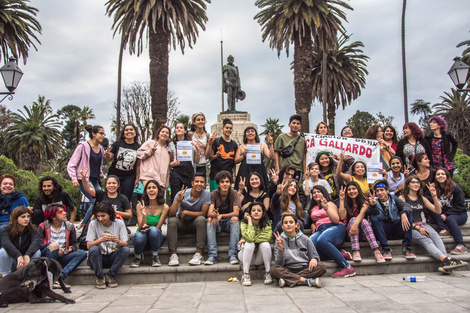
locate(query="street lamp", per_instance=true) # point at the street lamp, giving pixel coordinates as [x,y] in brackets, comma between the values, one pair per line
[11,74]
[459,74]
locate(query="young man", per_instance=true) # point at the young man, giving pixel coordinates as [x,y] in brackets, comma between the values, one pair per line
[60,240]
[290,147]
[222,153]
[393,220]
[223,216]
[50,191]
[107,244]
[188,214]
[287,172]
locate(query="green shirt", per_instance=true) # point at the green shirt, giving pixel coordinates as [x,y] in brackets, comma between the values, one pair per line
[255,234]
[152,220]
[296,158]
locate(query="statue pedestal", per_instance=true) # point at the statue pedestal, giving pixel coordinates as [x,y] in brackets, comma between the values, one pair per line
[240,120]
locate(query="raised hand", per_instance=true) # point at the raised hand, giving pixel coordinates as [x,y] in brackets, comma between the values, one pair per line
[406,170]
[143,208]
[432,189]
[279,241]
[180,196]
[342,193]
[324,203]
[269,139]
[274,176]
[247,216]
[280,187]
[341,156]
[211,140]
[241,184]
[83,173]
[372,199]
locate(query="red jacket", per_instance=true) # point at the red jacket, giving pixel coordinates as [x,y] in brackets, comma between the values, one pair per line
[70,234]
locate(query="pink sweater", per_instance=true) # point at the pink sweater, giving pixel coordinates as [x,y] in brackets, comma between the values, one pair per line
[155,164]
[81,158]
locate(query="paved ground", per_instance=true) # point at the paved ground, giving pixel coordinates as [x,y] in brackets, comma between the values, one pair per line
[358,294]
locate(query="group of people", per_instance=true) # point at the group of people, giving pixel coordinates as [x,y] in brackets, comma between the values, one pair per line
[330,197]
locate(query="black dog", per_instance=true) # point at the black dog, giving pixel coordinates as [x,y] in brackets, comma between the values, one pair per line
[32,283]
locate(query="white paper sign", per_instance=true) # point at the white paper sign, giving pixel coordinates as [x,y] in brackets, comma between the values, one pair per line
[253,154]
[373,172]
[184,151]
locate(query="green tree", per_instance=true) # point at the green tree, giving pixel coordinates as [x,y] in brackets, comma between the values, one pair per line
[360,122]
[4,123]
[346,67]
[462,171]
[466,52]
[300,22]
[422,109]
[382,120]
[272,128]
[81,120]
[68,115]
[160,23]
[182,118]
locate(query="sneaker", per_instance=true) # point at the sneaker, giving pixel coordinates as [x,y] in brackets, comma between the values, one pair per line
[100,283]
[233,260]
[357,256]
[387,253]
[268,280]
[345,272]
[156,261]
[346,255]
[197,259]
[444,271]
[246,280]
[110,281]
[379,257]
[174,260]
[314,282]
[459,249]
[444,233]
[281,282]
[136,263]
[211,260]
[408,254]
[453,263]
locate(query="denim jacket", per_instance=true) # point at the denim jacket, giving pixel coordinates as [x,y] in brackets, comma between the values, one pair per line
[395,206]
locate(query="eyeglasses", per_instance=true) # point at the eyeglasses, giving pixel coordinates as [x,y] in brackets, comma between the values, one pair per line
[289,174]
[347,131]
[102,133]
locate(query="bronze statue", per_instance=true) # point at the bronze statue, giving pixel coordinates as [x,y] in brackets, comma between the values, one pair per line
[231,84]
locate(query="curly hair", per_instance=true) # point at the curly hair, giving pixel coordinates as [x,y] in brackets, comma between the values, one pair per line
[13,178]
[57,188]
[136,137]
[415,130]
[440,121]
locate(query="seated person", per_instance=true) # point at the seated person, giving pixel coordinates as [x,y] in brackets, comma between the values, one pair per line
[297,263]
[253,191]
[312,179]
[107,244]
[223,216]
[286,199]
[59,240]
[20,240]
[287,172]
[188,214]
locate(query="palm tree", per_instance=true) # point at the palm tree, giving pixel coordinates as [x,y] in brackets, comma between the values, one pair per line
[182,118]
[272,128]
[163,22]
[33,135]
[346,66]
[301,22]
[18,26]
[423,110]
[466,52]
[455,109]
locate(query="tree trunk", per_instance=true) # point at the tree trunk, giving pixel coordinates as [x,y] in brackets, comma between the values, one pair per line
[118,100]
[30,159]
[331,118]
[159,67]
[324,72]
[303,83]
[403,61]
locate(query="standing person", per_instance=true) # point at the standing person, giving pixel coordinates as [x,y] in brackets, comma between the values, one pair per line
[328,169]
[107,244]
[200,137]
[250,165]
[412,142]
[254,246]
[322,129]
[151,214]
[88,154]
[60,239]
[9,198]
[443,144]
[423,234]
[358,175]
[390,137]
[295,257]
[290,147]
[188,214]
[125,163]
[222,153]
[254,192]
[375,132]
[50,191]
[454,212]
[313,179]
[396,177]
[155,158]
[347,132]
[20,240]
[182,172]
[223,216]
[285,200]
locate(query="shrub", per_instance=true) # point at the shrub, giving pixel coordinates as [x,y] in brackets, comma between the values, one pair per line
[462,171]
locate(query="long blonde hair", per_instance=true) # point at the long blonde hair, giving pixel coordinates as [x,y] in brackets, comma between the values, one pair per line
[286,198]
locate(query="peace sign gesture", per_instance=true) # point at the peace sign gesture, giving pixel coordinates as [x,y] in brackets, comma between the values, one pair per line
[83,173]
[143,208]
[211,140]
[180,196]
[406,171]
[372,200]
[432,189]
[323,203]
[342,193]
[280,187]
[241,184]
[279,241]
[269,139]
[274,176]
[341,156]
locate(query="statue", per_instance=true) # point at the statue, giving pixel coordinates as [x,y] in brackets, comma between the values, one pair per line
[231,84]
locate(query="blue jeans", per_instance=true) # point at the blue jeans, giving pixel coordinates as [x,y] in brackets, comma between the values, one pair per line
[114,261]
[453,222]
[152,239]
[326,238]
[94,182]
[127,185]
[391,230]
[225,225]
[1,231]
[8,264]
[69,261]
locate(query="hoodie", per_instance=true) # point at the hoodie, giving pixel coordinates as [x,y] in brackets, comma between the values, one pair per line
[297,252]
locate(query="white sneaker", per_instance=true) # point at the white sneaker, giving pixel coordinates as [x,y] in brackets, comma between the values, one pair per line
[174,260]
[197,259]
[268,280]
[246,280]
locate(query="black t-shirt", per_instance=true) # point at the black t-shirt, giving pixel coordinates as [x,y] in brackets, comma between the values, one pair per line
[120,203]
[226,160]
[95,163]
[125,156]
[39,205]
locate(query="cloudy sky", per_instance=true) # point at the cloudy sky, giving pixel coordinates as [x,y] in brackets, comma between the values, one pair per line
[77,60]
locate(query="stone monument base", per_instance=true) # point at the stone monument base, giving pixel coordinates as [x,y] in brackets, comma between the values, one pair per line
[240,120]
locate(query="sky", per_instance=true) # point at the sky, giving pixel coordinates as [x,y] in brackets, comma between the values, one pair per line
[76,62]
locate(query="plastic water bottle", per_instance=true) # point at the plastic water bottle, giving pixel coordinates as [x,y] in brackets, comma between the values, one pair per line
[414,278]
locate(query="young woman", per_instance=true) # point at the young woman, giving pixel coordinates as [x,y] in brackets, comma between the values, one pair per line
[250,137]
[21,242]
[182,172]
[295,257]
[443,144]
[328,168]
[423,234]
[254,246]
[347,132]
[200,138]
[124,155]
[328,231]
[422,168]
[88,154]
[254,192]
[412,142]
[454,212]
[359,174]
[155,158]
[322,128]
[375,132]
[390,137]
[396,177]
[151,214]
[286,199]
[312,179]
[353,208]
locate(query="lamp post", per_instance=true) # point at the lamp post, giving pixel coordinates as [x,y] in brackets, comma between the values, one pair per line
[11,74]
[459,74]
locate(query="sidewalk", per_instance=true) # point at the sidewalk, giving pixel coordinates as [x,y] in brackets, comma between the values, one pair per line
[377,293]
